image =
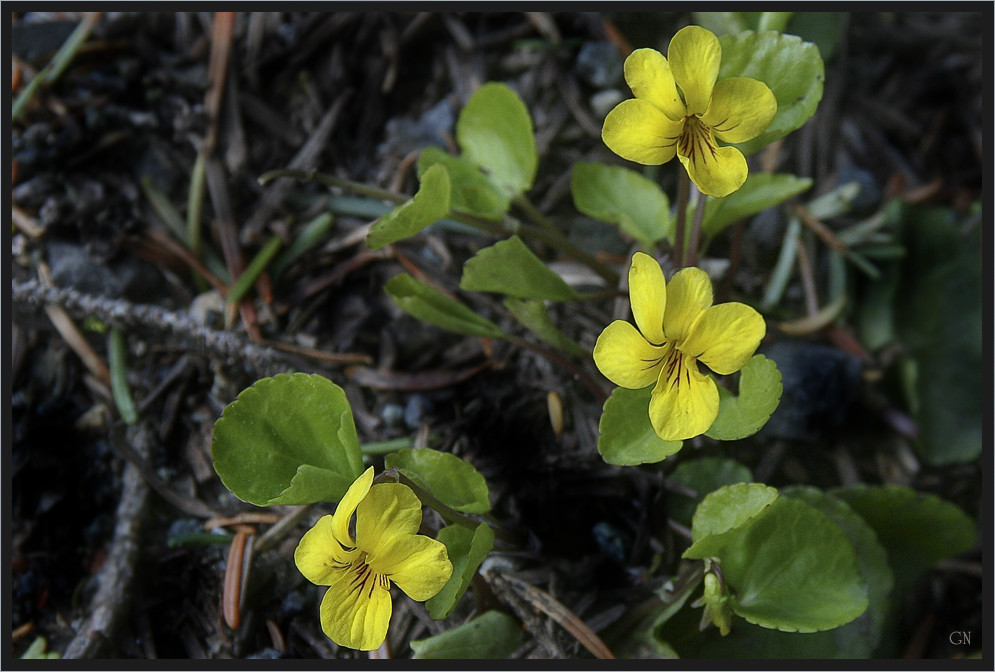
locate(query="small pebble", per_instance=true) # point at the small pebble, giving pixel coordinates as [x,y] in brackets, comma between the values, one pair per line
[392,414]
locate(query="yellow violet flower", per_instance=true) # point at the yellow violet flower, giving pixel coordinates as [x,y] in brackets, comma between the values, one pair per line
[659,123]
[355,611]
[677,327]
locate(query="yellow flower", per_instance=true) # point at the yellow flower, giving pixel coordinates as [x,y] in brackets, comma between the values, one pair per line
[678,327]
[355,611]
[658,123]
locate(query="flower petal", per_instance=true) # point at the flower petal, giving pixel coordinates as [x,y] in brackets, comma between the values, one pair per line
[689,293]
[319,557]
[684,404]
[419,565]
[648,296]
[695,55]
[347,506]
[726,337]
[741,109]
[389,510]
[717,172]
[624,356]
[648,74]
[637,131]
[356,614]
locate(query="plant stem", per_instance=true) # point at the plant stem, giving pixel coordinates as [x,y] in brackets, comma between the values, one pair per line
[547,232]
[541,229]
[556,357]
[333,181]
[699,216]
[683,195]
[54,69]
[453,516]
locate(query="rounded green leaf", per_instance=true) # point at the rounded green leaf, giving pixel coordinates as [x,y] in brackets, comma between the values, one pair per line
[467,549]
[428,206]
[759,394]
[792,69]
[471,191]
[510,267]
[535,317]
[451,480]
[859,638]
[790,568]
[759,192]
[916,529]
[702,474]
[623,197]
[428,304]
[626,436]
[289,439]
[494,130]
[731,507]
[493,634]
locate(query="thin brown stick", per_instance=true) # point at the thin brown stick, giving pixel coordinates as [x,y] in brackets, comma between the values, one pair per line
[808,279]
[73,336]
[217,73]
[543,601]
[233,580]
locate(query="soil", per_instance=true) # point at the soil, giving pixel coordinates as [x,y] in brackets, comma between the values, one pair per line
[98,507]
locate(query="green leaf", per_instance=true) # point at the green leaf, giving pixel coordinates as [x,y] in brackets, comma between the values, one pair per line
[791,68]
[535,317]
[729,508]
[467,549]
[939,321]
[495,132]
[759,192]
[451,480]
[825,29]
[428,206]
[428,304]
[789,567]
[916,529]
[471,191]
[759,394]
[289,439]
[859,638]
[493,634]
[626,435]
[510,267]
[623,197]
[702,474]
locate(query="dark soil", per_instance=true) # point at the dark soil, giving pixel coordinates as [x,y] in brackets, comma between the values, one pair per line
[355,94]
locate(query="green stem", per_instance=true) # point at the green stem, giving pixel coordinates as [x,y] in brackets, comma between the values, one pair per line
[54,69]
[333,181]
[451,515]
[547,232]
[699,216]
[683,196]
[119,377]
[533,214]
[542,229]
[556,357]
[253,270]
[195,202]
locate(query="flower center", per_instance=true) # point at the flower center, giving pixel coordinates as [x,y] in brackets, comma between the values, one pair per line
[365,579]
[696,141]
[674,368]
